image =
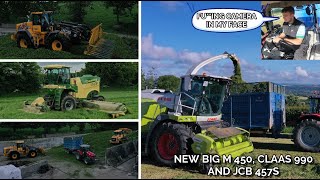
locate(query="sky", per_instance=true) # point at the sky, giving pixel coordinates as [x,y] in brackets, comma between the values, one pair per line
[171,45]
[75,66]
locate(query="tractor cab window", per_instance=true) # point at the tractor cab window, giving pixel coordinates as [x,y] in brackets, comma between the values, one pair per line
[22,146]
[215,93]
[36,19]
[58,76]
[45,22]
[118,133]
[85,148]
[209,93]
[314,105]
[196,88]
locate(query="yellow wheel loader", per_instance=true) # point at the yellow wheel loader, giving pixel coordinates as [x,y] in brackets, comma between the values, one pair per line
[65,93]
[120,136]
[189,122]
[22,150]
[41,30]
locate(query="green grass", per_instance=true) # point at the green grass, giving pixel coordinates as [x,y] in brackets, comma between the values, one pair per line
[288,129]
[268,146]
[123,48]
[98,13]
[11,107]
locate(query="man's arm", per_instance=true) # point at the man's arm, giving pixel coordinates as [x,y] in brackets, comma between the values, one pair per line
[278,38]
[296,41]
[299,36]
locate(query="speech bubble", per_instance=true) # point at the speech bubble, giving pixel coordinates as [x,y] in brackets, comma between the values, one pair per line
[228,20]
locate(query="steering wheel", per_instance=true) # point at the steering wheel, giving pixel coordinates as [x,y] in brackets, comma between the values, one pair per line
[285,46]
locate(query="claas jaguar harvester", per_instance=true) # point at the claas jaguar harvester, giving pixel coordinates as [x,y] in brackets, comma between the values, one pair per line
[189,122]
[41,30]
[62,92]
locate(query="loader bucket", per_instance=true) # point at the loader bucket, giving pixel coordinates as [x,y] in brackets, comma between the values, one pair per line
[112,108]
[222,141]
[96,36]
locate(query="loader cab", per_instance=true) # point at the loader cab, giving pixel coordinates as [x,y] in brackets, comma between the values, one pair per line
[204,93]
[21,146]
[57,75]
[43,21]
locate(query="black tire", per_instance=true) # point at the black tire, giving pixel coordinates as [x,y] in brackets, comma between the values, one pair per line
[181,140]
[307,135]
[33,154]
[14,155]
[101,98]
[64,42]
[77,156]
[68,103]
[25,38]
[86,161]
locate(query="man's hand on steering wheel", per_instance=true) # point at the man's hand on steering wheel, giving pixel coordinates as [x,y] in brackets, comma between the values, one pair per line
[276,40]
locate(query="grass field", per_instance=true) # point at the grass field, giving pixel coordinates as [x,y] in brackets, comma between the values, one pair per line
[121,48]
[268,146]
[11,107]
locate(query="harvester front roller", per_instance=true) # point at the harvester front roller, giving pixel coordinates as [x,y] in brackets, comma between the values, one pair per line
[112,108]
[178,139]
[37,106]
[222,141]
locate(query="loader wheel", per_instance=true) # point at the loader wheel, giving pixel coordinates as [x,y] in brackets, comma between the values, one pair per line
[14,155]
[68,103]
[23,41]
[58,43]
[101,98]
[307,135]
[33,154]
[171,139]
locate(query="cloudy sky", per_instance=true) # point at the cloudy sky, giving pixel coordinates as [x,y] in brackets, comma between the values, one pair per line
[171,45]
[75,66]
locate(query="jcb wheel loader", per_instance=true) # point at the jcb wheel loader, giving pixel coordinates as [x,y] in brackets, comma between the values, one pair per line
[41,30]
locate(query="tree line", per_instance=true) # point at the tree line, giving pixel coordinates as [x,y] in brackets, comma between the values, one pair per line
[27,77]
[77,9]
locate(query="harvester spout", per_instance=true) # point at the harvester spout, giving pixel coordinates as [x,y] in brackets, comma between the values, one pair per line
[236,63]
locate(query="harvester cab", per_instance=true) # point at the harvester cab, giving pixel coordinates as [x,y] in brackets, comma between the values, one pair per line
[64,92]
[189,122]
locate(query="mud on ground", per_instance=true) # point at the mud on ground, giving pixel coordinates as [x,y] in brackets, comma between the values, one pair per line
[58,169]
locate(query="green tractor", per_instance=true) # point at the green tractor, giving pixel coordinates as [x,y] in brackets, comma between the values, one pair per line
[189,122]
[65,93]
